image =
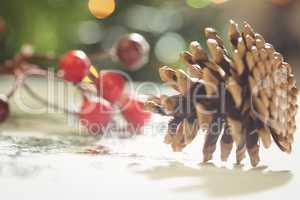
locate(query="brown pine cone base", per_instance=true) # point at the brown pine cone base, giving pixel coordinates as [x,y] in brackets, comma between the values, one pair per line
[249,92]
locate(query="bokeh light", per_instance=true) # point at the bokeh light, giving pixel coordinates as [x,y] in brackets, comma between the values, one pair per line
[198,3]
[163,19]
[168,47]
[90,32]
[101,8]
[218,1]
[112,35]
[53,28]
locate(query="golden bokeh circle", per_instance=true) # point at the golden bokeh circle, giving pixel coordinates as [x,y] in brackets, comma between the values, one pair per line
[101,8]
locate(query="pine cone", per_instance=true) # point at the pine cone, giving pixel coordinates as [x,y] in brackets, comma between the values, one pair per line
[244,96]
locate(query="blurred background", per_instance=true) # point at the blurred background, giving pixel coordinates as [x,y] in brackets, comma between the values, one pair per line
[56,26]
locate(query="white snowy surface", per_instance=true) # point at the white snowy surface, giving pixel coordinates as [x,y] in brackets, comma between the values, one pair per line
[40,158]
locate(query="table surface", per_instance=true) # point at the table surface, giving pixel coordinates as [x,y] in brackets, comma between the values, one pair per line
[42,156]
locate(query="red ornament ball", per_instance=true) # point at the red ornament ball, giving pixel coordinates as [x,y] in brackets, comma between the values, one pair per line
[133,111]
[110,85]
[95,115]
[132,51]
[74,65]
[4,110]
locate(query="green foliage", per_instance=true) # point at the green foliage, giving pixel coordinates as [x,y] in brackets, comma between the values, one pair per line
[51,26]
[48,25]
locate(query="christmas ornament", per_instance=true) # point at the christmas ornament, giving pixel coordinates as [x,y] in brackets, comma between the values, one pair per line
[110,85]
[132,51]
[74,66]
[133,111]
[95,115]
[245,96]
[100,91]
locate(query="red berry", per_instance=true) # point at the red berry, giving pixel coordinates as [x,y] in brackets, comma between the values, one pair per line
[4,110]
[133,111]
[75,66]
[110,85]
[132,50]
[96,115]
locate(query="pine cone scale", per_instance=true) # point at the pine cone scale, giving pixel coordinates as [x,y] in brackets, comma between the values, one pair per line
[226,145]
[260,96]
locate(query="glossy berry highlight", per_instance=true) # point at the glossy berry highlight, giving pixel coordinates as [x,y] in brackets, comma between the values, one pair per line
[74,65]
[95,115]
[132,51]
[4,110]
[110,85]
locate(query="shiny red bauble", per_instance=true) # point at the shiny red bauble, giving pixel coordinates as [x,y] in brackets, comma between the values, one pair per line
[132,51]
[110,85]
[95,116]
[74,66]
[133,111]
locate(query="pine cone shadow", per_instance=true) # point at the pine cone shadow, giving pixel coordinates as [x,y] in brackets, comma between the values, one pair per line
[221,181]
